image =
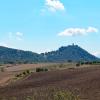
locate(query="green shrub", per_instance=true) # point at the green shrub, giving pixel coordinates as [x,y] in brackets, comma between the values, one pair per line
[65,95]
[45,69]
[28,71]
[78,64]
[70,61]
[86,63]
[29,98]
[82,63]
[41,69]
[18,75]
[24,73]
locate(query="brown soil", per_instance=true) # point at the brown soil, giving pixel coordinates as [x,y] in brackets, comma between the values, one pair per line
[21,67]
[84,81]
[12,70]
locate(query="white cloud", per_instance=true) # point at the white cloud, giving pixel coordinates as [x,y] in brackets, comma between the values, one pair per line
[97,54]
[78,31]
[54,5]
[4,44]
[17,35]
[92,29]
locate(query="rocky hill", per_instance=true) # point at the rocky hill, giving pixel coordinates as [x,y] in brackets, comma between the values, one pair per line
[69,53]
[63,54]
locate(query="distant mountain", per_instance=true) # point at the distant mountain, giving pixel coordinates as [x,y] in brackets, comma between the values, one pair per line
[63,54]
[69,53]
[9,55]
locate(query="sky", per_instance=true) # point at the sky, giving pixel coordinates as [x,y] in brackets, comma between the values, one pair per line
[46,25]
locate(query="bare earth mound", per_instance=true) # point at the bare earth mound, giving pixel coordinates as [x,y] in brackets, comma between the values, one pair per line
[84,81]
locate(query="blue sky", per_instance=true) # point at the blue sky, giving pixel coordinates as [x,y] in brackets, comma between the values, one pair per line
[45,25]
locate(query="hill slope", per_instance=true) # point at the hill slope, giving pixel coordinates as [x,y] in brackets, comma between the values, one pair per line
[8,55]
[71,52]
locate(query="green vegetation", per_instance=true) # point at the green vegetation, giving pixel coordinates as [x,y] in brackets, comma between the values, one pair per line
[78,64]
[23,74]
[13,56]
[65,95]
[71,53]
[41,69]
[29,98]
[87,63]
[50,95]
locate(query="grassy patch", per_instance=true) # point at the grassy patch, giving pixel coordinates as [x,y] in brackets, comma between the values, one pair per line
[65,95]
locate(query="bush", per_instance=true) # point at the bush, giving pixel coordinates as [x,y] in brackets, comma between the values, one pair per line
[24,73]
[88,63]
[27,72]
[70,61]
[41,69]
[82,63]
[78,64]
[45,69]
[29,98]
[64,95]
[19,75]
